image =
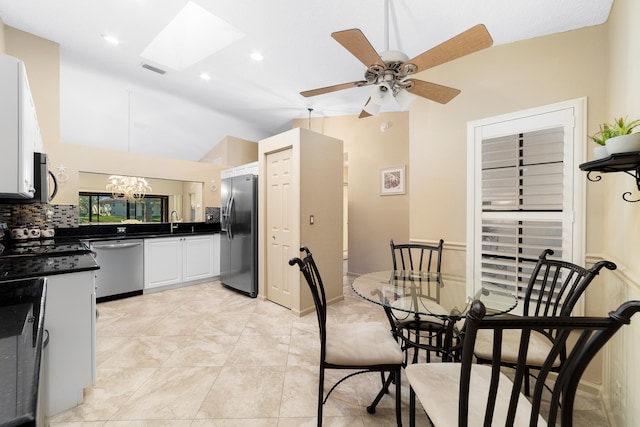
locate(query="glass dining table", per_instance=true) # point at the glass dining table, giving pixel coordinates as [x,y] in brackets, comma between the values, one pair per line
[427,305]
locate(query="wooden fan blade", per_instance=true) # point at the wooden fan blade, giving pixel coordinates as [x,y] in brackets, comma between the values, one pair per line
[334,88]
[363,113]
[470,41]
[433,91]
[355,42]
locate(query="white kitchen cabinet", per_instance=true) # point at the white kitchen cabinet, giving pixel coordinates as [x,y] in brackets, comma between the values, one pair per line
[70,319]
[162,262]
[19,130]
[197,257]
[216,254]
[174,260]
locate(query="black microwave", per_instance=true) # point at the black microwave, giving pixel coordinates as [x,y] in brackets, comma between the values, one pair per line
[44,183]
[42,176]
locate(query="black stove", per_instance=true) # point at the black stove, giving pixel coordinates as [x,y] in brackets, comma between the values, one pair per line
[47,247]
[38,258]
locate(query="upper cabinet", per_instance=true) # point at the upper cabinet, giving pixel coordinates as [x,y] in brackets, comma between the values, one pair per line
[19,131]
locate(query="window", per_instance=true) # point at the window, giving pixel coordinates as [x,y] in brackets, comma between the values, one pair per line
[103,208]
[525,192]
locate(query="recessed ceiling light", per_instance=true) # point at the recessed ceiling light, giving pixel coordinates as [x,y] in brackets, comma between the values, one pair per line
[205,76]
[111,39]
[256,56]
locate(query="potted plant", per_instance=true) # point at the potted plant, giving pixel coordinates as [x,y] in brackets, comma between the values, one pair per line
[617,137]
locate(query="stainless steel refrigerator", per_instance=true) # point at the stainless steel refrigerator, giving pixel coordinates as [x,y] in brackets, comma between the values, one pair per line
[239,235]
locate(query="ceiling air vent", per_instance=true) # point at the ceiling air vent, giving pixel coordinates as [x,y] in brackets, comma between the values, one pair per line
[154,69]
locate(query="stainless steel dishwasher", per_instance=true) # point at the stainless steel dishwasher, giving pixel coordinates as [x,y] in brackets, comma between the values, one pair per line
[121,268]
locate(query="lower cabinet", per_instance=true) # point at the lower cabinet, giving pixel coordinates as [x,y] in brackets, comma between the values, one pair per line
[174,260]
[70,319]
[216,254]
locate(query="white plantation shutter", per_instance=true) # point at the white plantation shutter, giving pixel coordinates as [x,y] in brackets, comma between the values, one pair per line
[521,196]
[523,171]
[510,249]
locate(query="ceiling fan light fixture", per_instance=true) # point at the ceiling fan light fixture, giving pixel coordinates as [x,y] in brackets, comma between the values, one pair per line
[404,99]
[381,94]
[372,108]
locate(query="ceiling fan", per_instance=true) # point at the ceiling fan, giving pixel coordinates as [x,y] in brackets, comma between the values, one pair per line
[390,71]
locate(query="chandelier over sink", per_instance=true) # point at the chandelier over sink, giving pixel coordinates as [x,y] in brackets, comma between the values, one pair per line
[131,188]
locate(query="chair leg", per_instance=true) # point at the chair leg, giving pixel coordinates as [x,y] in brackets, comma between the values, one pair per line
[320,394]
[385,389]
[397,375]
[412,407]
[384,381]
[527,376]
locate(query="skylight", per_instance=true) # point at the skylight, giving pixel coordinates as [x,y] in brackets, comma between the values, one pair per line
[194,34]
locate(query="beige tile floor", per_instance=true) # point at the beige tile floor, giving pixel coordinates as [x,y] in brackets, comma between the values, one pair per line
[204,355]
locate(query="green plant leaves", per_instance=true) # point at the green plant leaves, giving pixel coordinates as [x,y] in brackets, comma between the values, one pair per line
[609,130]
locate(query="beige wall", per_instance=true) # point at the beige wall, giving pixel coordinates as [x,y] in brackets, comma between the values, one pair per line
[41,58]
[495,81]
[79,158]
[618,223]
[373,219]
[232,151]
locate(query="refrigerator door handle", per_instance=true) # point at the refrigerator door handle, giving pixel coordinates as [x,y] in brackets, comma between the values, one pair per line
[224,217]
[230,217]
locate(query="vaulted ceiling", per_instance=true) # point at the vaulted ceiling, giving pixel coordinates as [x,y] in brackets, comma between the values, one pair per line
[256,99]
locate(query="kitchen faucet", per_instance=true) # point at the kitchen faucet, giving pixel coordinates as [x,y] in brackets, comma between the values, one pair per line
[173,226]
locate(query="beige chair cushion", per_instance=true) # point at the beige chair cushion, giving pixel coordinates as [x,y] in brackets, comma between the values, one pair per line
[437,386]
[362,344]
[537,353]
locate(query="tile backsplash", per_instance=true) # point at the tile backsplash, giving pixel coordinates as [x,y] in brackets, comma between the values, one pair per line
[58,216]
[211,214]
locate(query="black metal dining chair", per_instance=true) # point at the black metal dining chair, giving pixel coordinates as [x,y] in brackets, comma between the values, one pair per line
[364,347]
[468,394]
[421,329]
[554,288]
[416,256]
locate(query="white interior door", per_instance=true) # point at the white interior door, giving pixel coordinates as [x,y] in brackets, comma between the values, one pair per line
[279,224]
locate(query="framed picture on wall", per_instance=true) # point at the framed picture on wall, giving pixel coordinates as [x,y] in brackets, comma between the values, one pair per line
[392,181]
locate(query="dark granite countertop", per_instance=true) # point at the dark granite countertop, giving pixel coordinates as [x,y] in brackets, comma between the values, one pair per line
[13,268]
[134,231]
[22,304]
